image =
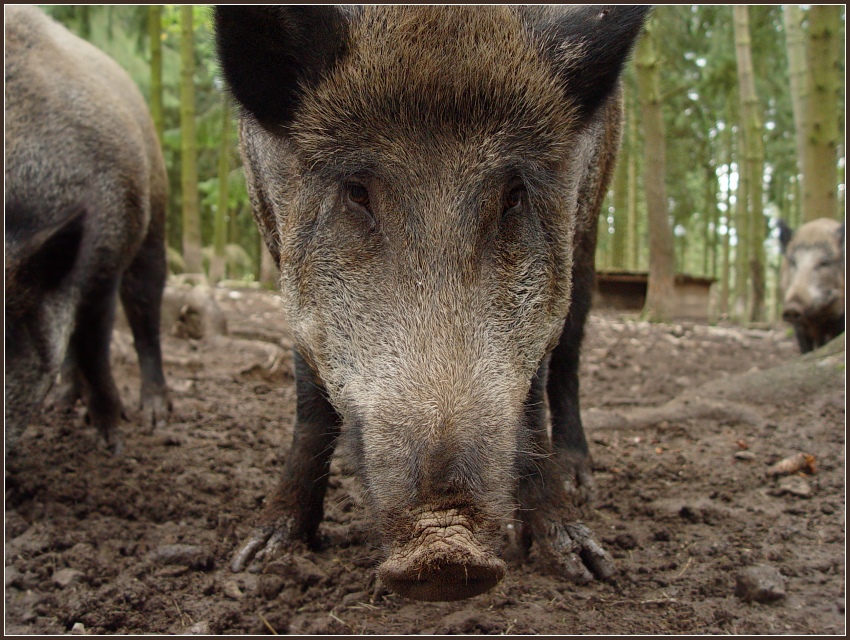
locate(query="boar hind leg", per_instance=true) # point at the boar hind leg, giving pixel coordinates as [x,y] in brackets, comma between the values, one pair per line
[91,348]
[141,297]
[562,387]
[296,508]
[548,512]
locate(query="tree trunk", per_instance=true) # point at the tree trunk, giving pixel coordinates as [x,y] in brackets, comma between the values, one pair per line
[661,251]
[603,253]
[725,274]
[820,184]
[796,47]
[621,199]
[741,233]
[189,161]
[233,226]
[751,118]
[220,228]
[709,213]
[85,22]
[268,269]
[797,212]
[631,144]
[155,34]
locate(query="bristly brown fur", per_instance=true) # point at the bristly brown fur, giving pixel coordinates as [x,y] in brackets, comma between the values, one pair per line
[85,218]
[432,76]
[425,313]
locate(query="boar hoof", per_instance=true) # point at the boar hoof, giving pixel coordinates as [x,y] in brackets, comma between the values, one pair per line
[155,409]
[578,474]
[63,397]
[264,544]
[574,554]
[113,441]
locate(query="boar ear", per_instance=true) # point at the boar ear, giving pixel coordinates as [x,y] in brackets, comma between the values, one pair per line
[839,233]
[589,46]
[41,259]
[785,235]
[270,54]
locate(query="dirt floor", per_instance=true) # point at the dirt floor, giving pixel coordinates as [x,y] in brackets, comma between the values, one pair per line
[142,543]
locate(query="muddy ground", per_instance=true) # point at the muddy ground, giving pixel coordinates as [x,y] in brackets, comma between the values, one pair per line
[685,507]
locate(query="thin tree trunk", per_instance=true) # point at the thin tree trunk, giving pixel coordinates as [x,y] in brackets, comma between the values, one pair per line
[220,228]
[603,249]
[189,162]
[797,212]
[750,115]
[631,144]
[681,244]
[268,269]
[796,47]
[155,35]
[820,184]
[110,22]
[233,227]
[709,257]
[661,251]
[621,198]
[726,269]
[85,22]
[741,233]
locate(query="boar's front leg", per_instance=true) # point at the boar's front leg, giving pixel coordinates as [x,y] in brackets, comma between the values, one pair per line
[296,508]
[548,512]
[562,388]
[69,386]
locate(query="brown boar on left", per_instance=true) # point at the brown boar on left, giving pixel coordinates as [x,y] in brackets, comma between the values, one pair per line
[84,220]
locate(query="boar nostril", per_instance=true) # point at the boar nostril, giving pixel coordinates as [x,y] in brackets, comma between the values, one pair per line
[441,560]
[791,315]
[442,581]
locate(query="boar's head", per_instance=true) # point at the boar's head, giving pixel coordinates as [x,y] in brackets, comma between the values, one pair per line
[39,261]
[812,272]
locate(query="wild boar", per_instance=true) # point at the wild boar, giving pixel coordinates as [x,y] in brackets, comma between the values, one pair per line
[428,180]
[812,280]
[84,219]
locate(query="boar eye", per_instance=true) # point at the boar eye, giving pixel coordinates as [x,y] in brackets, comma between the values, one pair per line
[514,198]
[358,194]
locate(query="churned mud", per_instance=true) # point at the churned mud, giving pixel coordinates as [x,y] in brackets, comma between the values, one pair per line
[705,539]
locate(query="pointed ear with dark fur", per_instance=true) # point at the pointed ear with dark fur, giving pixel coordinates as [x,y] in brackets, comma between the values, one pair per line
[270,54]
[785,235]
[589,46]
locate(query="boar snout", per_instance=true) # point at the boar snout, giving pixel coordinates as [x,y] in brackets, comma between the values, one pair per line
[792,312]
[443,560]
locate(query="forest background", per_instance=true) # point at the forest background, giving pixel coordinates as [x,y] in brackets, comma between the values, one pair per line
[735,119]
